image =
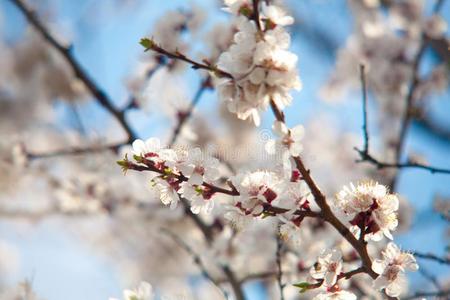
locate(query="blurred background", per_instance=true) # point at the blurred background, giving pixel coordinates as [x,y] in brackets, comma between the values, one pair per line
[71,255]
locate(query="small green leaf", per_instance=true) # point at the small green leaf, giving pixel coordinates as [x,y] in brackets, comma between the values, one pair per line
[267,214]
[138,158]
[124,163]
[147,43]
[303,286]
[246,11]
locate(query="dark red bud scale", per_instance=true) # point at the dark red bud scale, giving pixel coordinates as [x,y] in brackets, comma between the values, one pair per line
[270,195]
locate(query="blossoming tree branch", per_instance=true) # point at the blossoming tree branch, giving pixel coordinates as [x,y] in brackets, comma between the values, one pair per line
[256,72]
[266,215]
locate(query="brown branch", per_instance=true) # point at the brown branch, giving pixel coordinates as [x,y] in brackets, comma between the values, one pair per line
[104,101]
[280,270]
[185,115]
[207,232]
[208,235]
[430,256]
[149,166]
[235,283]
[364,99]
[77,69]
[346,275]
[352,273]
[202,226]
[326,212]
[76,151]
[407,114]
[415,80]
[197,259]
[258,276]
[365,155]
[441,47]
[149,44]
[255,15]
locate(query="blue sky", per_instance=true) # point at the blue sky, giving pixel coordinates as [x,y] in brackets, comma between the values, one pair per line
[107,46]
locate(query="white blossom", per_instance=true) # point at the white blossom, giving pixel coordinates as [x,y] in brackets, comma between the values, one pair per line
[198,196]
[295,195]
[370,204]
[289,141]
[256,189]
[237,217]
[168,191]
[143,292]
[338,295]
[392,269]
[235,6]
[276,15]
[290,232]
[143,148]
[199,167]
[327,267]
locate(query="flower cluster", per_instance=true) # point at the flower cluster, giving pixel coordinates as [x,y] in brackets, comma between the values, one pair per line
[261,67]
[264,193]
[256,71]
[178,173]
[371,207]
[392,269]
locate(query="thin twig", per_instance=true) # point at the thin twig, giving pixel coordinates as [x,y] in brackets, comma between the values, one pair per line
[258,276]
[202,226]
[415,80]
[104,101]
[326,212]
[76,151]
[207,232]
[430,256]
[256,17]
[77,69]
[197,259]
[365,155]
[185,115]
[278,261]
[346,275]
[149,44]
[365,117]
[234,282]
[79,122]
[409,100]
